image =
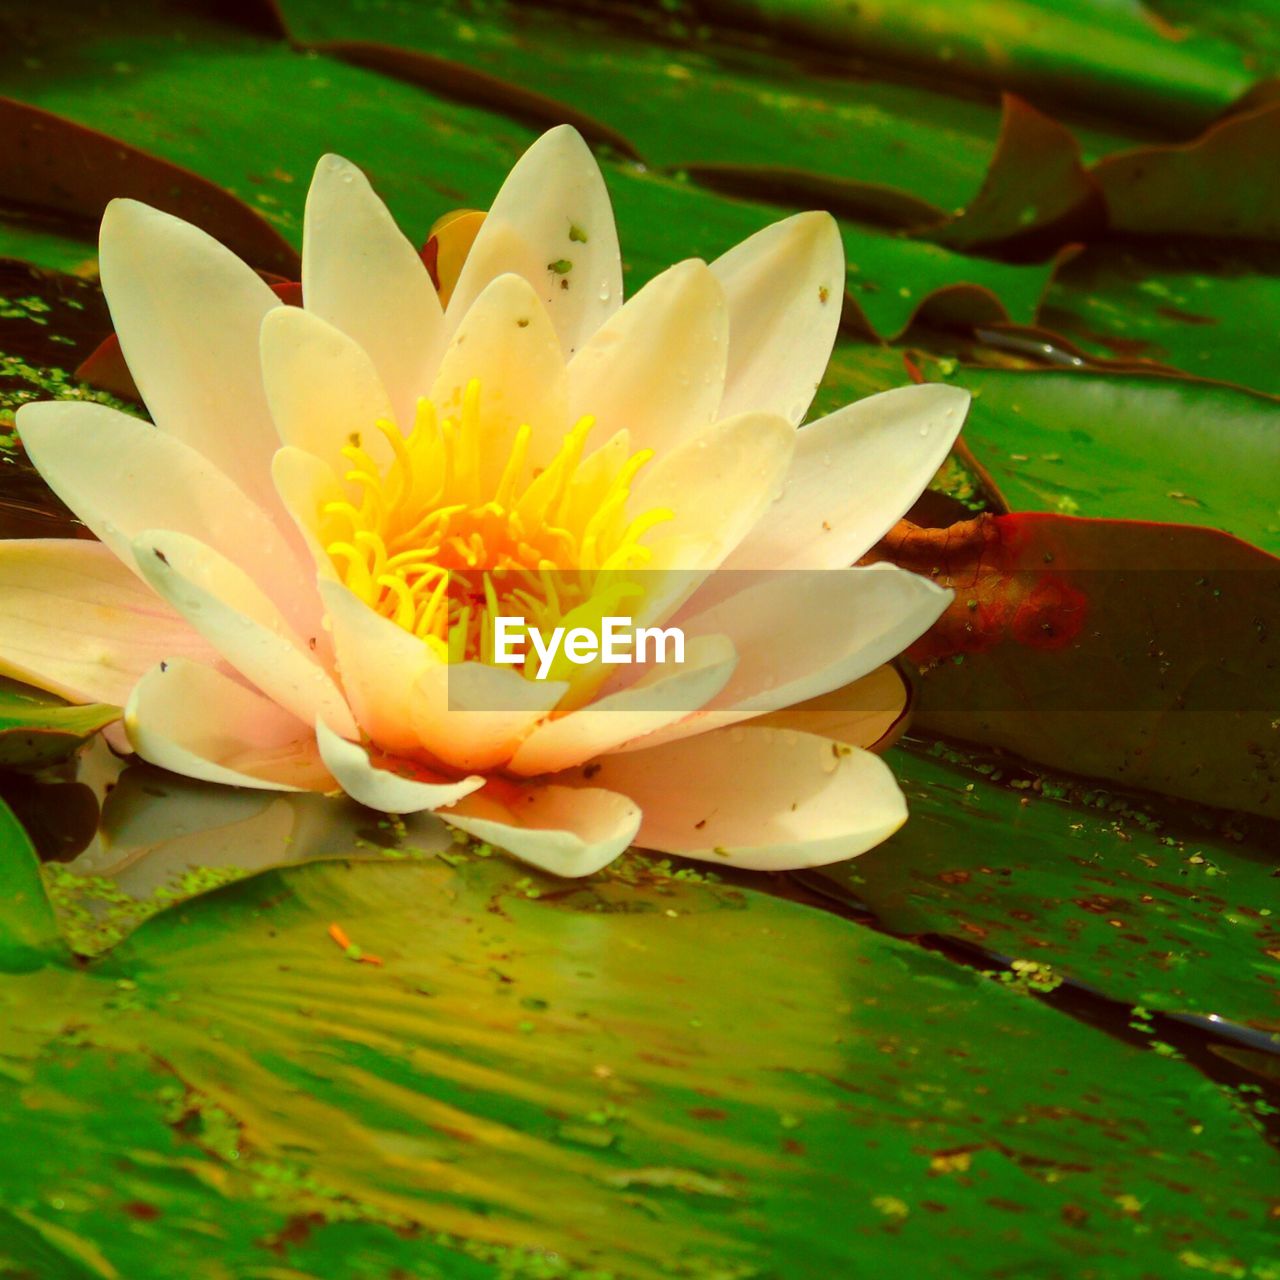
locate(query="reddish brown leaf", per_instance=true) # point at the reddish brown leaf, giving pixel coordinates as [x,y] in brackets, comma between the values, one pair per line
[1036,193]
[1147,654]
[1225,183]
[63,168]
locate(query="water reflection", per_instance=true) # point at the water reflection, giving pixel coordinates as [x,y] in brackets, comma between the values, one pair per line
[143,829]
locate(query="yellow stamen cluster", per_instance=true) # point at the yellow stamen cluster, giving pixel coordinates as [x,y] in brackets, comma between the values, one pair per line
[442,541]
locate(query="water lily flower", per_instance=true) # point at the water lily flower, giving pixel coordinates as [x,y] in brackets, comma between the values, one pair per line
[297,562]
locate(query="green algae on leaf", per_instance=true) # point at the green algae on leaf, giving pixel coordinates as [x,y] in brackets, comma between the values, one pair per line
[1153,907]
[759,1107]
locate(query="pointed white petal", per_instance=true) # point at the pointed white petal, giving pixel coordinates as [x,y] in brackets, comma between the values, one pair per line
[120,476]
[656,367]
[189,718]
[379,787]
[569,831]
[552,224]
[242,625]
[856,473]
[785,286]
[361,275]
[187,312]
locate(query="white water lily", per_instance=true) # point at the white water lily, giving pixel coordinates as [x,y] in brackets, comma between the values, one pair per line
[268,596]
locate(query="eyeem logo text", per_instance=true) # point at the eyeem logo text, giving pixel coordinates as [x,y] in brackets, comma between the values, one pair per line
[618,642]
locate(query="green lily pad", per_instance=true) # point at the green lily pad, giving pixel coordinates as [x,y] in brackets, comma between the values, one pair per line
[37,728]
[1131,446]
[505,1076]
[1147,907]
[262,143]
[28,930]
[1207,310]
[1117,55]
[879,147]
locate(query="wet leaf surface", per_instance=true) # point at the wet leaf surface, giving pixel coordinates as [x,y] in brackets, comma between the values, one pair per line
[1161,908]
[540,1070]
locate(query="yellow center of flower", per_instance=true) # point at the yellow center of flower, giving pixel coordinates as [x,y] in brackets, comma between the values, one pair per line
[442,542]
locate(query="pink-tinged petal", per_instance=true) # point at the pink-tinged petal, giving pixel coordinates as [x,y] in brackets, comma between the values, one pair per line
[473,717]
[799,635]
[784,286]
[766,799]
[870,712]
[379,664]
[74,620]
[856,473]
[662,696]
[552,224]
[121,476]
[569,831]
[322,388]
[226,607]
[378,787]
[506,343]
[467,716]
[193,720]
[361,275]
[656,367]
[187,312]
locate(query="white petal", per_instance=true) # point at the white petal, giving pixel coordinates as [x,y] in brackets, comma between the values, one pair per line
[380,788]
[243,625]
[322,388]
[507,344]
[856,473]
[785,286]
[121,476]
[799,635]
[361,275]
[187,312]
[189,718]
[662,696]
[379,664]
[553,208]
[717,484]
[305,485]
[74,620]
[569,831]
[862,714]
[656,368]
[767,799]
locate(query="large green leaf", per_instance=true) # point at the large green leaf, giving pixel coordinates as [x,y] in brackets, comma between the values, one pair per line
[1131,446]
[616,1079]
[1113,55]
[28,932]
[262,143]
[887,148]
[1148,907]
[1206,310]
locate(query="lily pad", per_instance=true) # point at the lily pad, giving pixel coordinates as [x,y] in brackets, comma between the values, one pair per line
[36,728]
[1117,53]
[1148,907]
[497,1076]
[1212,311]
[1141,447]
[262,143]
[1141,653]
